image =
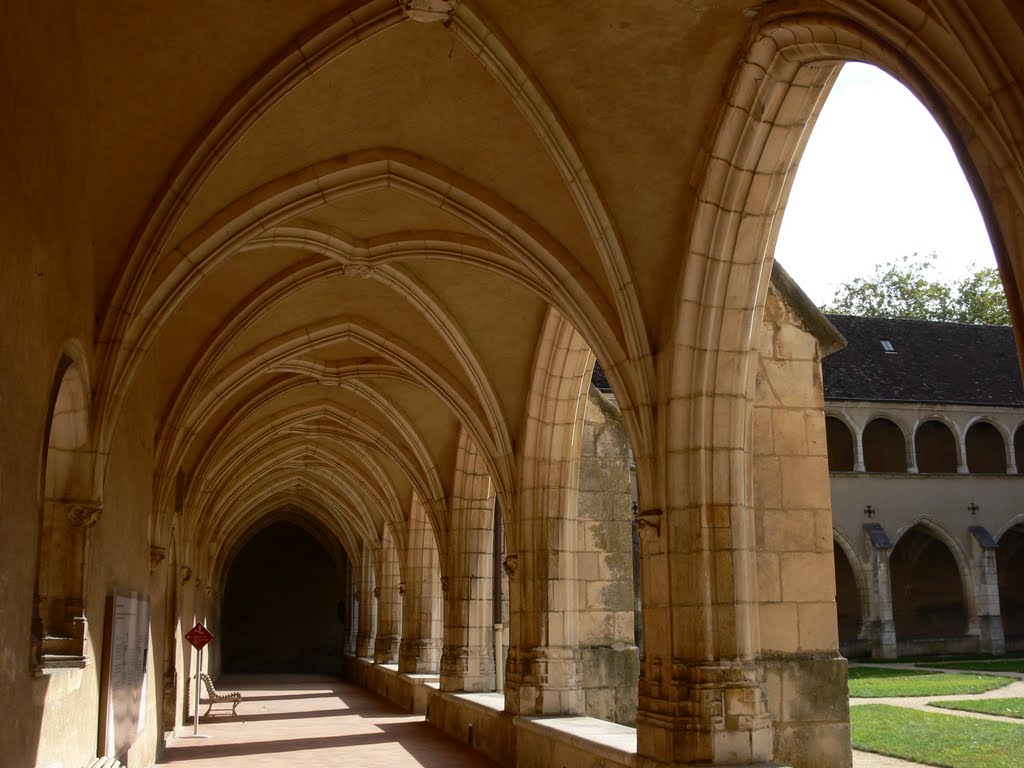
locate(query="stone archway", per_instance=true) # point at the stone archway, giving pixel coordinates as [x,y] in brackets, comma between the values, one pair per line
[986,449]
[927,588]
[1010,566]
[848,599]
[885,448]
[935,447]
[280,606]
[841,456]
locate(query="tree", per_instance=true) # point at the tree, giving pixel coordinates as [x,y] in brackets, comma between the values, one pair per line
[905,289]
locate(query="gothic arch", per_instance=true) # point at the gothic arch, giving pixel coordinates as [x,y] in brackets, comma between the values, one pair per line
[68,509]
[842,544]
[837,459]
[983,453]
[930,454]
[882,452]
[926,527]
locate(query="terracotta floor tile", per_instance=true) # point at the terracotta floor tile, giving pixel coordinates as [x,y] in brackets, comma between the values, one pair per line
[290,720]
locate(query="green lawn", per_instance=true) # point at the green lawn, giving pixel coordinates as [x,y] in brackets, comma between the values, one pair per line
[868,682]
[1004,665]
[1004,707]
[936,739]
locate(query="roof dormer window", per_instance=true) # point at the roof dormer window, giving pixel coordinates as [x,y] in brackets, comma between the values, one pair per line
[887,347]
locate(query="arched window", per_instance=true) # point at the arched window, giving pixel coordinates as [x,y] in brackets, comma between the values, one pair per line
[935,447]
[885,449]
[986,449]
[927,592]
[59,631]
[840,445]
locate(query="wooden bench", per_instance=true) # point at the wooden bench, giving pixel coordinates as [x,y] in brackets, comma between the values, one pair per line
[220,698]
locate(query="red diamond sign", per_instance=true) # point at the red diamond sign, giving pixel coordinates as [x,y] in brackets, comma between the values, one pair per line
[199,636]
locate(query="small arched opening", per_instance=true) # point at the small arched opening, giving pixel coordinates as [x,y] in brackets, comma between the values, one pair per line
[848,599]
[59,623]
[884,447]
[927,591]
[986,449]
[839,440]
[280,609]
[935,448]
[1010,566]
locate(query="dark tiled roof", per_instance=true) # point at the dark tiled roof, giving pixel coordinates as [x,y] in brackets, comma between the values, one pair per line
[933,363]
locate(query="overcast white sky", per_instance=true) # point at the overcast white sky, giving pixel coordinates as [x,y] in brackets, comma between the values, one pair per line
[878,180]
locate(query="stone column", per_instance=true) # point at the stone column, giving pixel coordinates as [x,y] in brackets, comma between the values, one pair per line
[467,659]
[352,605]
[911,454]
[420,649]
[988,620]
[797,627]
[882,627]
[858,449]
[367,635]
[389,604]
[544,668]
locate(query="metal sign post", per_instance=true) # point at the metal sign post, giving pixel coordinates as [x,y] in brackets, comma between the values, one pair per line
[198,636]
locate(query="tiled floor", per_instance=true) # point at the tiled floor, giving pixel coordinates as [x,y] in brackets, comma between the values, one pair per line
[292,720]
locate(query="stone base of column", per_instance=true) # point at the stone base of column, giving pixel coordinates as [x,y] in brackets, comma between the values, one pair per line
[385,649]
[610,682]
[883,640]
[695,712]
[467,669]
[365,644]
[808,698]
[991,638]
[419,657]
[544,681]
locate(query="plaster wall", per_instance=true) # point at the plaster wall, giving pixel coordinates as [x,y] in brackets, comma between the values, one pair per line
[45,301]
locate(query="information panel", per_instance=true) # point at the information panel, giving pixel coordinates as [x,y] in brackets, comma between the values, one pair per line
[123,685]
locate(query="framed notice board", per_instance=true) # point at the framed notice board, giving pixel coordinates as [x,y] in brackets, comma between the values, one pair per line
[123,676]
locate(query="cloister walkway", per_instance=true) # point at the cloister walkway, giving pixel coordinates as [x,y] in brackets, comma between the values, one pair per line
[289,720]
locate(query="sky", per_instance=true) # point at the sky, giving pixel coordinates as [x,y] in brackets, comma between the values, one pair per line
[878,180]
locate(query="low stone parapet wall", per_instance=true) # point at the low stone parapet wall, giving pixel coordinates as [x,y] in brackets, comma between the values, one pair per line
[479,720]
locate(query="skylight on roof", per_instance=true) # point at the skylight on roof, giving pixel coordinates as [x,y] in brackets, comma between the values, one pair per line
[888,347]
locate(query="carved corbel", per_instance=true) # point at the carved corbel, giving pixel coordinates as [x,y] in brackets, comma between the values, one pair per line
[444,586]
[376,592]
[401,588]
[83,514]
[186,574]
[649,521]
[156,556]
[510,565]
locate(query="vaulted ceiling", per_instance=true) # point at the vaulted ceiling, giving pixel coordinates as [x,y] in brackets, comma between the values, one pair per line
[328,239]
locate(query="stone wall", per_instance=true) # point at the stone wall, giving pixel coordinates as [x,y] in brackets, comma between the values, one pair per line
[806,677]
[609,655]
